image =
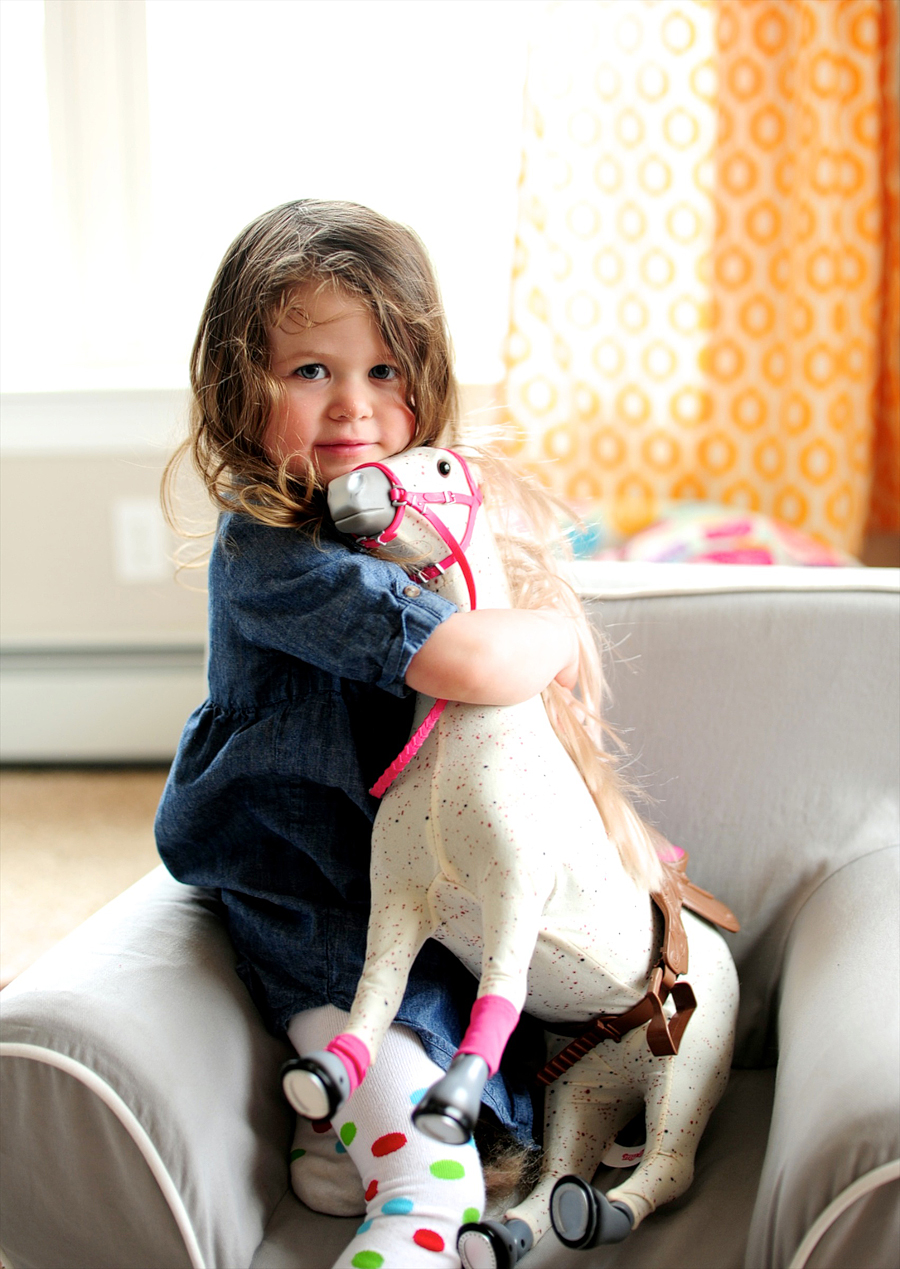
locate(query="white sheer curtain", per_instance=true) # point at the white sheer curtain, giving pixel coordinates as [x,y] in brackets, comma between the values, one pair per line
[140,135]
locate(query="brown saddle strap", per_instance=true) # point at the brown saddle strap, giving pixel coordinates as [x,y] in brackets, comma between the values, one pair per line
[663,1034]
[694,897]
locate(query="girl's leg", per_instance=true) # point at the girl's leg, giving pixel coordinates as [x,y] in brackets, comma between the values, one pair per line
[417,1191]
[322,1173]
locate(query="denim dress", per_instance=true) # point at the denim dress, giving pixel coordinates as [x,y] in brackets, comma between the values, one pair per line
[267,800]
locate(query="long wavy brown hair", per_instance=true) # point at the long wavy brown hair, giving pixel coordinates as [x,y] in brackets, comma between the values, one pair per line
[234,395]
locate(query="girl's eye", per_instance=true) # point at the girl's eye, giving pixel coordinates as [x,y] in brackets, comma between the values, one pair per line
[383,372]
[313,371]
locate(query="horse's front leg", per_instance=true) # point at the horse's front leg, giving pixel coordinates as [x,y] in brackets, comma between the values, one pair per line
[511,908]
[316,1084]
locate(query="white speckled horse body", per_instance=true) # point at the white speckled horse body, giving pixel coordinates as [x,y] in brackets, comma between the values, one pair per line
[489,841]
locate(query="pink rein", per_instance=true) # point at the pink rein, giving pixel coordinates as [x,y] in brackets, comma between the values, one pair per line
[402,499]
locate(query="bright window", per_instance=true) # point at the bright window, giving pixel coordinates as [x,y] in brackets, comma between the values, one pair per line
[411,107]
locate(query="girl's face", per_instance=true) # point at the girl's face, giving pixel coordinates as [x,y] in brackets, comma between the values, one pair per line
[345,401]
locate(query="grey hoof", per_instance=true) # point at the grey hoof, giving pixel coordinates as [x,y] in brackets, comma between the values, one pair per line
[315,1085]
[449,1110]
[583,1217]
[493,1244]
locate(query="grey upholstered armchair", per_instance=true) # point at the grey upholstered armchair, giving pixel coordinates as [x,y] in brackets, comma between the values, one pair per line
[143,1123]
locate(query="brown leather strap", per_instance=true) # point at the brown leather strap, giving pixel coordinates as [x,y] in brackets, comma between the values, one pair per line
[708,907]
[677,891]
[663,1034]
[608,1026]
[675,862]
[668,898]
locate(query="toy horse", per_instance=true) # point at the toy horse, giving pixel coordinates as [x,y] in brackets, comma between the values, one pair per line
[488,839]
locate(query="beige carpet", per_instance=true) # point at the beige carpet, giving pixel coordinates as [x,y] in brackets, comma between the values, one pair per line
[70,840]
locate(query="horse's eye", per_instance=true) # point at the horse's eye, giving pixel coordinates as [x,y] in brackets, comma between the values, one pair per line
[444,467]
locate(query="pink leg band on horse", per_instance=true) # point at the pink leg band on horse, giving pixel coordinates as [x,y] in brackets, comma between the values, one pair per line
[492,1022]
[354,1055]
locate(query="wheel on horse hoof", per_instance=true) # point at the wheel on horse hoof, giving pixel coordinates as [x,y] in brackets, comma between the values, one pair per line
[446,1125]
[449,1110]
[583,1217]
[315,1085]
[493,1244]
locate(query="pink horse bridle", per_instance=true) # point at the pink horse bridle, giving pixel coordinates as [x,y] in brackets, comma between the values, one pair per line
[422,503]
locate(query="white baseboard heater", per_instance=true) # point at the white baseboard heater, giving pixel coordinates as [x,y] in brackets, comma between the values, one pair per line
[97,704]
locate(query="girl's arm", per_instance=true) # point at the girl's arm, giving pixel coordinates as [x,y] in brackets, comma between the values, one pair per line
[496,656]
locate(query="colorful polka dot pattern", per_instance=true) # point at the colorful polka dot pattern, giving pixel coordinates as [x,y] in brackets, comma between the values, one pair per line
[705,283]
[448,1170]
[388,1144]
[442,1169]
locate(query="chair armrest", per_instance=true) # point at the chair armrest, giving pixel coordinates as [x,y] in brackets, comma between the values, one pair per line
[143,1122]
[763,722]
[827,1193]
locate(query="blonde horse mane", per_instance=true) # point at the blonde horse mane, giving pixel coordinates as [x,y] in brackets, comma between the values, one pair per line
[527,524]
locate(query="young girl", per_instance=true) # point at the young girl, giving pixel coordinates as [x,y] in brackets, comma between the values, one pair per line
[322,346]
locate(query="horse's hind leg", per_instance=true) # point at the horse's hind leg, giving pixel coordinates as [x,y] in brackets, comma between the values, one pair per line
[682,1091]
[583,1112]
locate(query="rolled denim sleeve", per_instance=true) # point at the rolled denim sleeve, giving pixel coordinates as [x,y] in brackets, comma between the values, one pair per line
[334,607]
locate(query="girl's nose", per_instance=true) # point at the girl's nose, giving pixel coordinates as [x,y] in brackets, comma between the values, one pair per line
[349,405]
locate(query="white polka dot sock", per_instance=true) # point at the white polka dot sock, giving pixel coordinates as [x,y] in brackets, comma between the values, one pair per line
[322,1173]
[417,1191]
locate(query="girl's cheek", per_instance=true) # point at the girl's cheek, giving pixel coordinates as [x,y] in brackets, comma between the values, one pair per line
[276,440]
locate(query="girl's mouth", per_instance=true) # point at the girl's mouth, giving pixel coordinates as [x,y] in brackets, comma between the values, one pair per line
[348,447]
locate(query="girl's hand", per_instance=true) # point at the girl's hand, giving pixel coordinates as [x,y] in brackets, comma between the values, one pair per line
[568,675]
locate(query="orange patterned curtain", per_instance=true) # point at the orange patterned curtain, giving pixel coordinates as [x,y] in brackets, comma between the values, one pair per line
[705,287]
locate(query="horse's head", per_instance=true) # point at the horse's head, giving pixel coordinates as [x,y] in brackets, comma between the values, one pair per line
[419,507]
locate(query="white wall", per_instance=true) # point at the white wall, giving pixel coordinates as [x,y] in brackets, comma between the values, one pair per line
[102,645]
[102,648]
